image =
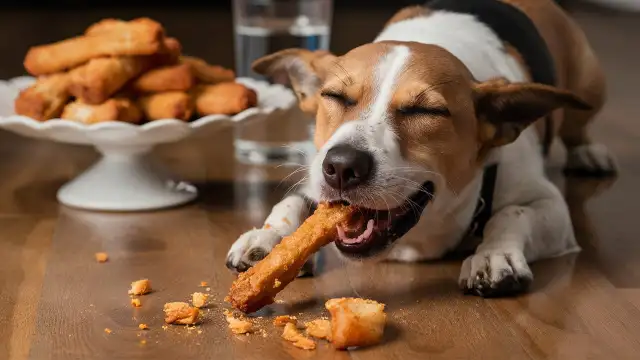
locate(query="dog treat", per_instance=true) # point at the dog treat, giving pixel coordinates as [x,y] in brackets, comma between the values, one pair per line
[45,99]
[169,78]
[97,80]
[356,322]
[238,326]
[116,25]
[291,333]
[226,98]
[136,303]
[140,287]
[254,288]
[206,73]
[283,320]
[180,313]
[118,109]
[168,105]
[319,329]
[102,257]
[141,38]
[199,299]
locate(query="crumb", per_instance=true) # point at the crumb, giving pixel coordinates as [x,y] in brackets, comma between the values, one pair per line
[102,257]
[143,327]
[203,284]
[267,226]
[199,331]
[208,289]
[199,299]
[356,322]
[107,330]
[164,327]
[180,313]
[276,284]
[292,334]
[319,328]
[140,287]
[142,342]
[283,320]
[286,221]
[279,301]
[136,302]
[238,326]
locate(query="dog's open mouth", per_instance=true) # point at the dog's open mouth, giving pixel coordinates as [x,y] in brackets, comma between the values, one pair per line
[373,230]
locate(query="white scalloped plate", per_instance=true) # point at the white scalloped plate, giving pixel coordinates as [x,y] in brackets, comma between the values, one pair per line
[271,98]
[125,179]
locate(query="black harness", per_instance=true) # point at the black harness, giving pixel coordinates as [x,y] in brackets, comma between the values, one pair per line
[516,29]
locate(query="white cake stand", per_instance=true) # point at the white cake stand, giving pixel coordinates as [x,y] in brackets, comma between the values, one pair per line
[125,178]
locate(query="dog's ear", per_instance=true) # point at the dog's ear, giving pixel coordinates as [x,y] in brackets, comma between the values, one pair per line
[305,69]
[505,109]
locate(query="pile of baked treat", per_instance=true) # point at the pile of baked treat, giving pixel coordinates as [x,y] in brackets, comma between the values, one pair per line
[126,71]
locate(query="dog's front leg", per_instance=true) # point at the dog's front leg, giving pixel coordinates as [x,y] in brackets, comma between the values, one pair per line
[515,236]
[252,246]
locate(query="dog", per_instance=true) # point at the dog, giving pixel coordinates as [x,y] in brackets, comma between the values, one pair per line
[437,131]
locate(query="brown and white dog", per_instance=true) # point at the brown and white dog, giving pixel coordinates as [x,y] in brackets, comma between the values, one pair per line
[416,117]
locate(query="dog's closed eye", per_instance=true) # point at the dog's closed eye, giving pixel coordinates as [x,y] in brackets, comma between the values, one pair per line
[422,110]
[338,97]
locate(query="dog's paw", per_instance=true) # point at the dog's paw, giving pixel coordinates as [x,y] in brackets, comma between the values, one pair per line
[591,160]
[251,247]
[255,245]
[494,274]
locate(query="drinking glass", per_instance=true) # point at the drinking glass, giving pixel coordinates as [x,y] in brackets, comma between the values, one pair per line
[263,27]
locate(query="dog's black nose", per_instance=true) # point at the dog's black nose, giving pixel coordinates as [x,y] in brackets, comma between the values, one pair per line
[345,167]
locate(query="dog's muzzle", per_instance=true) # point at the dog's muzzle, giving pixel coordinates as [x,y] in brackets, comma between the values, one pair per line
[375,230]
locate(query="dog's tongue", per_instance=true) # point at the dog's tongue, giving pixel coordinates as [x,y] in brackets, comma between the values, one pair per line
[364,236]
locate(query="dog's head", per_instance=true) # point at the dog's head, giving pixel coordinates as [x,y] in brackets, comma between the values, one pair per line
[396,122]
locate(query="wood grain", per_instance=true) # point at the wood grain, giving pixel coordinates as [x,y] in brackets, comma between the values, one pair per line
[56,300]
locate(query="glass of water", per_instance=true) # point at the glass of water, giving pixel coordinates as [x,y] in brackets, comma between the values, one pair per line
[263,27]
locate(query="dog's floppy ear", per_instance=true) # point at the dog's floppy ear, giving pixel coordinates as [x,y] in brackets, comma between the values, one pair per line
[305,69]
[506,109]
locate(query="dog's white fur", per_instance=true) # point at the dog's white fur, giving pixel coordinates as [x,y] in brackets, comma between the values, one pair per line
[530,219]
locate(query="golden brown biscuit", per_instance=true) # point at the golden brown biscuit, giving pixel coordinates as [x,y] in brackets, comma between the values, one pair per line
[135,39]
[100,78]
[292,334]
[225,98]
[356,322]
[180,313]
[208,74]
[254,288]
[199,299]
[319,328]
[168,78]
[45,99]
[167,105]
[117,109]
[117,25]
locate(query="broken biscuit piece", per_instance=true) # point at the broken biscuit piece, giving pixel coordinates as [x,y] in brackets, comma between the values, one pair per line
[140,287]
[356,322]
[319,329]
[102,257]
[283,320]
[238,326]
[291,333]
[199,299]
[180,313]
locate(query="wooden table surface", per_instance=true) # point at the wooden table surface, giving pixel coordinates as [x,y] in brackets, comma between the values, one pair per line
[56,301]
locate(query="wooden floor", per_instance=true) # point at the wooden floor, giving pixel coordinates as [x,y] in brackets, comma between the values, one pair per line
[56,301]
